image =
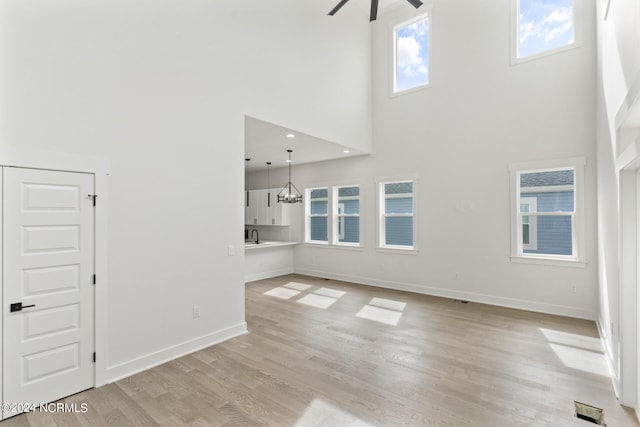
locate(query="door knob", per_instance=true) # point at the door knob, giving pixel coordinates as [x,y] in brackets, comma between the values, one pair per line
[17,306]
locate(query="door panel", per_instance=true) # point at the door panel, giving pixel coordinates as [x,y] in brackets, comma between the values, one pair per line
[48,265]
[50,279]
[61,238]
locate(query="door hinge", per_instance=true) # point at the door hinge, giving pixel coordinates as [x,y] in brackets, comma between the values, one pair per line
[93,196]
[94,357]
[94,279]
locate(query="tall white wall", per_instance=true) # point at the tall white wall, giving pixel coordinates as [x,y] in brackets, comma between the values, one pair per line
[160,88]
[458,137]
[618,70]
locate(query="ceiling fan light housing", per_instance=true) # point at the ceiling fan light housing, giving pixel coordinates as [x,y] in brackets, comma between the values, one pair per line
[374,7]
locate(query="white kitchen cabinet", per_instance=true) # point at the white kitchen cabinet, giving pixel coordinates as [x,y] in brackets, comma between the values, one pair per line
[262,208]
[251,207]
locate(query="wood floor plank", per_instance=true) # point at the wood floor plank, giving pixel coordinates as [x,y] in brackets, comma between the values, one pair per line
[373,357]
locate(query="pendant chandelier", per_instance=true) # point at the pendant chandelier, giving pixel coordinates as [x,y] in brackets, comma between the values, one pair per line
[289,193]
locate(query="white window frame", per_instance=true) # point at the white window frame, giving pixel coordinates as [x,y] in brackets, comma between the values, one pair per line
[532,203]
[381,245]
[338,215]
[515,34]
[578,257]
[394,50]
[308,215]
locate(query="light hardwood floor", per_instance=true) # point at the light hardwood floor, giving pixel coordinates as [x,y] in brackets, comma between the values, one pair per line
[370,357]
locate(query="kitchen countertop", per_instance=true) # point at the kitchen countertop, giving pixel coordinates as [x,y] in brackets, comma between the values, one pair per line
[250,245]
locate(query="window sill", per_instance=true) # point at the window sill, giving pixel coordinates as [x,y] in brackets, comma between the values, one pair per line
[335,246]
[515,60]
[397,250]
[410,90]
[560,262]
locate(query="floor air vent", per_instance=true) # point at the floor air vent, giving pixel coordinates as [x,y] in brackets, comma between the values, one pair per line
[589,413]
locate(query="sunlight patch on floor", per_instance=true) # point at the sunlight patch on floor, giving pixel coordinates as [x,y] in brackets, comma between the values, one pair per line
[297,286]
[318,301]
[321,413]
[583,360]
[330,292]
[577,351]
[383,310]
[381,315]
[387,303]
[322,298]
[573,340]
[282,293]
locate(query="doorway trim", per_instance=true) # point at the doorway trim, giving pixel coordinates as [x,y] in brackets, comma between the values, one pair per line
[628,167]
[100,168]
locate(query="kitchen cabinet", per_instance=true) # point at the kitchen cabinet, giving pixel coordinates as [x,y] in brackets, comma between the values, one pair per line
[251,207]
[262,208]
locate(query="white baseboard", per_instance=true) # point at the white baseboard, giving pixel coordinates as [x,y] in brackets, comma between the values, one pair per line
[539,307]
[126,369]
[268,274]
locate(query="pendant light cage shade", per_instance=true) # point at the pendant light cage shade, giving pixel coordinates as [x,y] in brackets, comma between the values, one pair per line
[289,193]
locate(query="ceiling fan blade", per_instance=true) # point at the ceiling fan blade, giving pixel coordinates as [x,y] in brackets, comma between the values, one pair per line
[338,6]
[415,3]
[374,10]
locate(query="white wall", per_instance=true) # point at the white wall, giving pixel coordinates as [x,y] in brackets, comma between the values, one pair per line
[160,88]
[618,72]
[459,137]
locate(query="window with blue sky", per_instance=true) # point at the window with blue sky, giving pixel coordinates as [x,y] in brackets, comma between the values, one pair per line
[544,25]
[411,68]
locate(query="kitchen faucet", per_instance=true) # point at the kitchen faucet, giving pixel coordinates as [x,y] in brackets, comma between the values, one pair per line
[257,235]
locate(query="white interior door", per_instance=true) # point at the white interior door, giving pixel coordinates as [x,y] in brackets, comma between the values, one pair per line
[47,244]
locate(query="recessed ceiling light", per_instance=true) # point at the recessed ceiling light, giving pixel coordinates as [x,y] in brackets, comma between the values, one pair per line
[346,151]
[290,135]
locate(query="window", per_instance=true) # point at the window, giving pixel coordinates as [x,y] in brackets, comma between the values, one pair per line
[529,223]
[543,26]
[548,224]
[347,224]
[333,215]
[396,212]
[317,213]
[411,54]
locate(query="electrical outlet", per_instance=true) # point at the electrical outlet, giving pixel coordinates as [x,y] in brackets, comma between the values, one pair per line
[574,288]
[196,312]
[231,250]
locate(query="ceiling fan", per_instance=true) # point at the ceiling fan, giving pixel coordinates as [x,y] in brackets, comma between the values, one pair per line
[374,7]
